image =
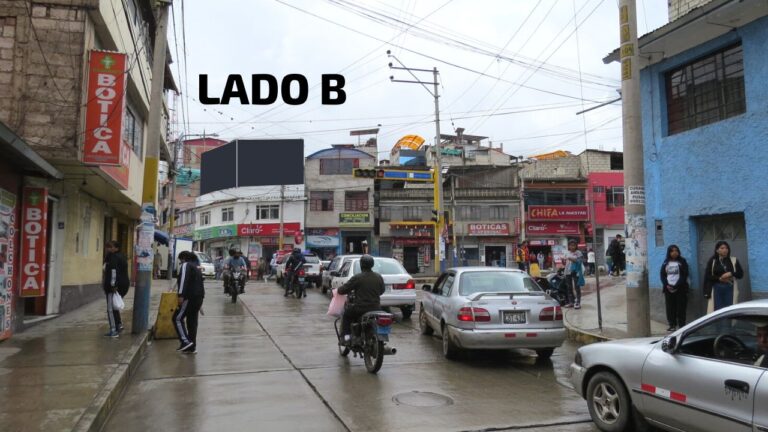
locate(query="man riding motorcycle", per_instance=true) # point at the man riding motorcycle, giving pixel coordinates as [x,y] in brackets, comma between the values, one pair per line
[368,286]
[231,264]
[294,262]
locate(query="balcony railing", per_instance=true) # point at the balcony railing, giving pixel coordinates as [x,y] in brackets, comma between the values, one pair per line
[406,194]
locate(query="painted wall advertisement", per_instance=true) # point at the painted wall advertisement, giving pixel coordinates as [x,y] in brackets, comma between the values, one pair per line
[322,237]
[7,252]
[34,216]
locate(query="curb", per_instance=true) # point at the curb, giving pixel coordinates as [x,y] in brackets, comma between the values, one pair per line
[96,415]
[583,336]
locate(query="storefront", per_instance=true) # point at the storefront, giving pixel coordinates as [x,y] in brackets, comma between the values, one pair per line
[324,242]
[254,240]
[495,244]
[413,244]
[356,232]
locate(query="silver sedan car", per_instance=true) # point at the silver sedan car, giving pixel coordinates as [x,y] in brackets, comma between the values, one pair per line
[711,375]
[491,308]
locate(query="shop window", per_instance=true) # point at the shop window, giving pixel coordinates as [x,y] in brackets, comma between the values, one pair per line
[356,201]
[321,201]
[706,90]
[228,214]
[338,166]
[205,218]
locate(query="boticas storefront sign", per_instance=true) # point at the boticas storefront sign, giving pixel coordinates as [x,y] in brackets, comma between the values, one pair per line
[34,227]
[488,229]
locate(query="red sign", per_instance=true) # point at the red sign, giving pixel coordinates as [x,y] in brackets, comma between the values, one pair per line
[34,216]
[488,229]
[270,229]
[104,108]
[548,228]
[120,174]
[558,213]
[298,238]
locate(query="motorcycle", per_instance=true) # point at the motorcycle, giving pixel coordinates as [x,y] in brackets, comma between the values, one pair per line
[299,284]
[555,286]
[235,284]
[368,339]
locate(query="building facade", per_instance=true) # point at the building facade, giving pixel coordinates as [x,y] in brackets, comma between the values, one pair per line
[48,54]
[339,207]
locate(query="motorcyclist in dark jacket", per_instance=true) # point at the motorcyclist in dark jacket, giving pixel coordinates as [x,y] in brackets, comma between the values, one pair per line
[367,286]
[294,262]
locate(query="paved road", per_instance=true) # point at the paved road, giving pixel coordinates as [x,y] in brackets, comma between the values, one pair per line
[269,363]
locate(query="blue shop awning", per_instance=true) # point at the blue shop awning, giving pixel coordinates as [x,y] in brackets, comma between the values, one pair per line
[161,237]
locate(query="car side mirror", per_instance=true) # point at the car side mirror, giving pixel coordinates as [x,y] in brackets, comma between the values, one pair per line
[435,290]
[669,344]
[426,287]
[334,273]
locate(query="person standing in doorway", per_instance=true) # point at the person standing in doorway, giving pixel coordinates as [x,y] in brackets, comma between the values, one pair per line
[191,292]
[674,280]
[722,272]
[540,259]
[591,262]
[114,281]
[574,274]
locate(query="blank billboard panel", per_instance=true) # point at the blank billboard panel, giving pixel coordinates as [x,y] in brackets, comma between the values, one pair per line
[217,169]
[270,162]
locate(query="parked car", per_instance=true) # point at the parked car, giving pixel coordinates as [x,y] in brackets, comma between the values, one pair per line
[491,308]
[206,264]
[312,269]
[334,267]
[400,288]
[324,264]
[711,375]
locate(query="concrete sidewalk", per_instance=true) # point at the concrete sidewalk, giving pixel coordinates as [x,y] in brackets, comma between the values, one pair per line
[583,325]
[64,375]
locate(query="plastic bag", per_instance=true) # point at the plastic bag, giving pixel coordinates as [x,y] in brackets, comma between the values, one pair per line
[336,308]
[117,302]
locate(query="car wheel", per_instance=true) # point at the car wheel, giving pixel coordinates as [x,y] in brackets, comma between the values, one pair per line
[407,311]
[609,403]
[544,353]
[424,324]
[450,350]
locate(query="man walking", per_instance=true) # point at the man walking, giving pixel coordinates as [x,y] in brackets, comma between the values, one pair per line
[191,292]
[114,281]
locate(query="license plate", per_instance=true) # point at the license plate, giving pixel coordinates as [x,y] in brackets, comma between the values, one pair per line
[514,317]
[301,280]
[383,330]
[388,287]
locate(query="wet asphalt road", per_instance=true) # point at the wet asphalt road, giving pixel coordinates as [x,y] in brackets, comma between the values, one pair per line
[269,363]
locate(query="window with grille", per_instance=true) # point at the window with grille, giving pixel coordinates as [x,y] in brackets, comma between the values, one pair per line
[614,196]
[499,213]
[271,211]
[706,91]
[133,130]
[205,218]
[228,214]
[468,213]
[385,213]
[356,201]
[338,166]
[321,201]
[411,213]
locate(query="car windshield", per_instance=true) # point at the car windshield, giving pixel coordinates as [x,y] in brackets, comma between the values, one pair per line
[490,281]
[311,259]
[384,267]
[203,257]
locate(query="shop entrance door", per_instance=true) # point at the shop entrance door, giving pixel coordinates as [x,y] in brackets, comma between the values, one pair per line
[354,244]
[732,229]
[411,259]
[495,255]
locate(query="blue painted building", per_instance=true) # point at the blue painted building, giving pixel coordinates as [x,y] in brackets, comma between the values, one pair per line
[705,136]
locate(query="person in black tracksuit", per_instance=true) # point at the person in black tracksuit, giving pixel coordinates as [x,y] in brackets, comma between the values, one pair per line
[191,292]
[294,262]
[674,281]
[367,287]
[114,280]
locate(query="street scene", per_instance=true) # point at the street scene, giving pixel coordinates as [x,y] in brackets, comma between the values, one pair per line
[383,215]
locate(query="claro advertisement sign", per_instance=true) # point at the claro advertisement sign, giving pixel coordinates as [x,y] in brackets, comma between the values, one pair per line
[34,226]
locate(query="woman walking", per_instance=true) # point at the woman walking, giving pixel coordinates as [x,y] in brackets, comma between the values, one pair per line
[722,271]
[674,280]
[574,274]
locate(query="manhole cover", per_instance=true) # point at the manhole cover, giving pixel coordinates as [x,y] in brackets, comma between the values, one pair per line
[422,399]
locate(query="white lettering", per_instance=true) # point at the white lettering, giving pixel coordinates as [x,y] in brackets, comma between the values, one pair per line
[107,80]
[34,214]
[104,104]
[101,146]
[30,284]
[32,269]
[105,93]
[102,133]
[32,227]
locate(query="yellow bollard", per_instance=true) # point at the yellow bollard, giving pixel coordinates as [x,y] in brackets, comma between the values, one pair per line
[169,302]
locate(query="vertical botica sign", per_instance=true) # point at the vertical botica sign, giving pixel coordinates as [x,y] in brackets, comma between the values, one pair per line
[34,235]
[105,103]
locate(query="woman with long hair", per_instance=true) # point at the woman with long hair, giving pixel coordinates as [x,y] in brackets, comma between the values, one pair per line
[674,281]
[722,271]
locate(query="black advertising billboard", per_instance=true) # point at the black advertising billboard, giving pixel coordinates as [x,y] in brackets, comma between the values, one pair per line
[252,162]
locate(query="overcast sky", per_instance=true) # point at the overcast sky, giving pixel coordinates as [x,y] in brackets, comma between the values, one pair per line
[527,105]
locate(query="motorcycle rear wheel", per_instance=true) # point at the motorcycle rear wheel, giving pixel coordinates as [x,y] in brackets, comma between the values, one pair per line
[233,292]
[373,354]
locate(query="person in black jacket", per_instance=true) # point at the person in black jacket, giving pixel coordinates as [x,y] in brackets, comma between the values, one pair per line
[292,264]
[191,292]
[367,286]
[674,281]
[722,270]
[114,281]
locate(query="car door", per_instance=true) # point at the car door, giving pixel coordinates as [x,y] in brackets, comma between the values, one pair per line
[760,417]
[343,276]
[442,298]
[698,387]
[428,299]
[332,267]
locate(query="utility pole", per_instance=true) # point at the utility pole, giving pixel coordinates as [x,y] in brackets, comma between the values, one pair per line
[146,235]
[437,165]
[638,305]
[453,218]
[282,206]
[592,221]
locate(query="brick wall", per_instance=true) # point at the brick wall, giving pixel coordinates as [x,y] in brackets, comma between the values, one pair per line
[41,62]
[678,8]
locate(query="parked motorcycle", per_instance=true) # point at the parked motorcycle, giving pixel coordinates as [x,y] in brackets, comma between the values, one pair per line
[557,287]
[369,339]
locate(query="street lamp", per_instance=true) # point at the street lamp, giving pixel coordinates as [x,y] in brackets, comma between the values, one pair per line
[172,210]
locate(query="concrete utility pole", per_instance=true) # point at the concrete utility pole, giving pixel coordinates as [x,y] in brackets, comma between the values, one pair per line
[144,251]
[636,249]
[593,222]
[282,206]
